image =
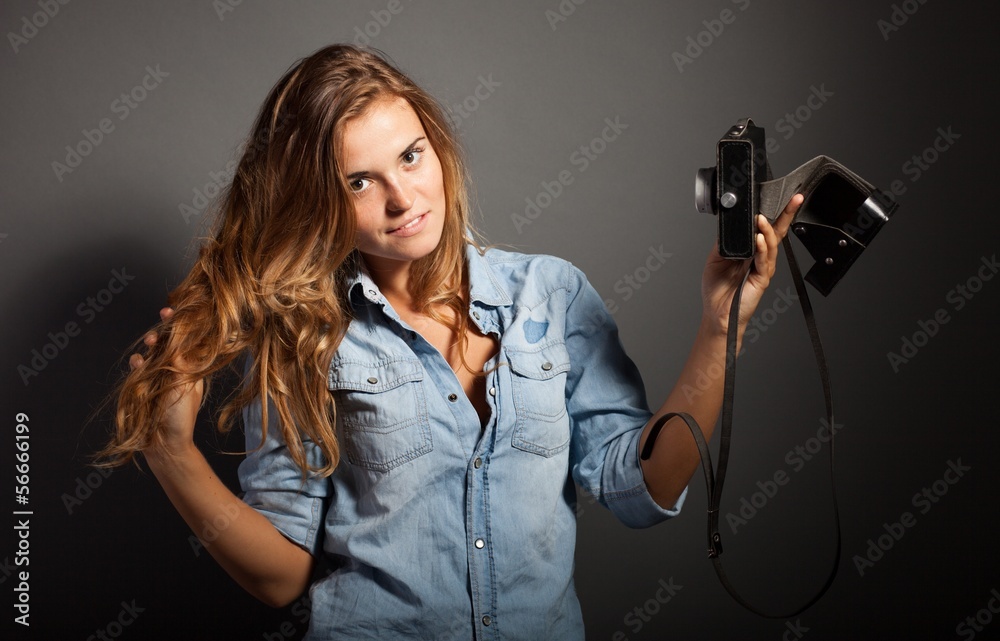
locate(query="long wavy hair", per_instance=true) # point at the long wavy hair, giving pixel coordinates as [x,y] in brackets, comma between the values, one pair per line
[270,279]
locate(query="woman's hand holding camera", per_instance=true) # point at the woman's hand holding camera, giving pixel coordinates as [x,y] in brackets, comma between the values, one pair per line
[723,275]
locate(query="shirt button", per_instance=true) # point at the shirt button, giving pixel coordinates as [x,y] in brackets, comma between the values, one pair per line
[546,366]
[372,294]
[453,397]
[372,380]
[487,620]
[493,391]
[480,544]
[475,315]
[478,463]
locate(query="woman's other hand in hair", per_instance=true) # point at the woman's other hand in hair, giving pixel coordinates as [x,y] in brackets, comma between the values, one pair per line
[180,415]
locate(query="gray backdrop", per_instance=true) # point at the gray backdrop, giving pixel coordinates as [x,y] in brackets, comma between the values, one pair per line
[104,195]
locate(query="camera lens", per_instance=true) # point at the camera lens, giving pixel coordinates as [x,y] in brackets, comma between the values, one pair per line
[704,190]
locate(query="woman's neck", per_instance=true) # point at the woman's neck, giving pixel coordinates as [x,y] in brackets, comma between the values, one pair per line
[392,278]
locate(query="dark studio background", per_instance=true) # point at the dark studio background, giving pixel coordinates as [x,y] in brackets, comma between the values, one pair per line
[543,91]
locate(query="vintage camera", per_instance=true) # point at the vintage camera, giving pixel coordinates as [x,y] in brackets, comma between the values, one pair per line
[731,189]
[841,214]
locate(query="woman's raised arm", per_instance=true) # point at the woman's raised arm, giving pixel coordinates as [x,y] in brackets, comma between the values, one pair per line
[254,553]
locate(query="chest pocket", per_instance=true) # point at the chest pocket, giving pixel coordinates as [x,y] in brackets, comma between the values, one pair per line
[381,412]
[539,391]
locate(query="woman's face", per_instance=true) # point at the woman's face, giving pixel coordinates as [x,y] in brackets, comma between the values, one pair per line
[397,183]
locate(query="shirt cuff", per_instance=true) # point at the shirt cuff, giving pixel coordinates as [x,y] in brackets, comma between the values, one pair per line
[634,506]
[296,515]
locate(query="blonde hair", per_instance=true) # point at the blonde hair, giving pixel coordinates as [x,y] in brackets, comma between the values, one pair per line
[271,279]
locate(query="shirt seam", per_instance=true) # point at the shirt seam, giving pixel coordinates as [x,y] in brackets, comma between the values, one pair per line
[626,494]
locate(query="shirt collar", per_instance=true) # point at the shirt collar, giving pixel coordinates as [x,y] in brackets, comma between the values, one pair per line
[360,283]
[485,286]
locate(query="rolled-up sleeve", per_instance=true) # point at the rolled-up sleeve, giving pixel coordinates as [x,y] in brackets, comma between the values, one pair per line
[607,404]
[272,482]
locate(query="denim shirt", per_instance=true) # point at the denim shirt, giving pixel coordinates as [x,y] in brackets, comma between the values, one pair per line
[436,527]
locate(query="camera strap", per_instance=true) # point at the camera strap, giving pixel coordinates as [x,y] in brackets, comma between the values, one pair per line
[839,217]
[715,477]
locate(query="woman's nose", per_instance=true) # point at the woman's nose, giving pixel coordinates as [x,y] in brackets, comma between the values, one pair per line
[399,196]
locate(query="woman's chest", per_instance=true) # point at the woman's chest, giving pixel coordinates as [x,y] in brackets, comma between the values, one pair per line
[402,392]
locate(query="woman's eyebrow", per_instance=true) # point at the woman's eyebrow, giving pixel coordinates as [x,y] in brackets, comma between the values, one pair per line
[409,147]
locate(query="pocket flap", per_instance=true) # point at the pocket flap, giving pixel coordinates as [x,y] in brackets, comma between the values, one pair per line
[378,376]
[542,363]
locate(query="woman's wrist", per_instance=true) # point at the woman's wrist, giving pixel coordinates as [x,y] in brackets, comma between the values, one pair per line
[163,456]
[714,332]
[712,327]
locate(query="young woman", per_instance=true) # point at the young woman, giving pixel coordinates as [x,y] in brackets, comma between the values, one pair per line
[417,406]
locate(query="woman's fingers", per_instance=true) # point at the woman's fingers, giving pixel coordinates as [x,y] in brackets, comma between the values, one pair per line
[149,339]
[770,236]
[784,220]
[766,254]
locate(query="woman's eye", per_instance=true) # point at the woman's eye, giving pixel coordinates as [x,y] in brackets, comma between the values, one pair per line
[412,157]
[359,184]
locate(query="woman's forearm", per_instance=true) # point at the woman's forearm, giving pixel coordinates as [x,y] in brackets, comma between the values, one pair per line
[254,553]
[698,392]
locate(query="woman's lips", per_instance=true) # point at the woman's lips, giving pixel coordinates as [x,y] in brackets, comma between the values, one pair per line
[412,227]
